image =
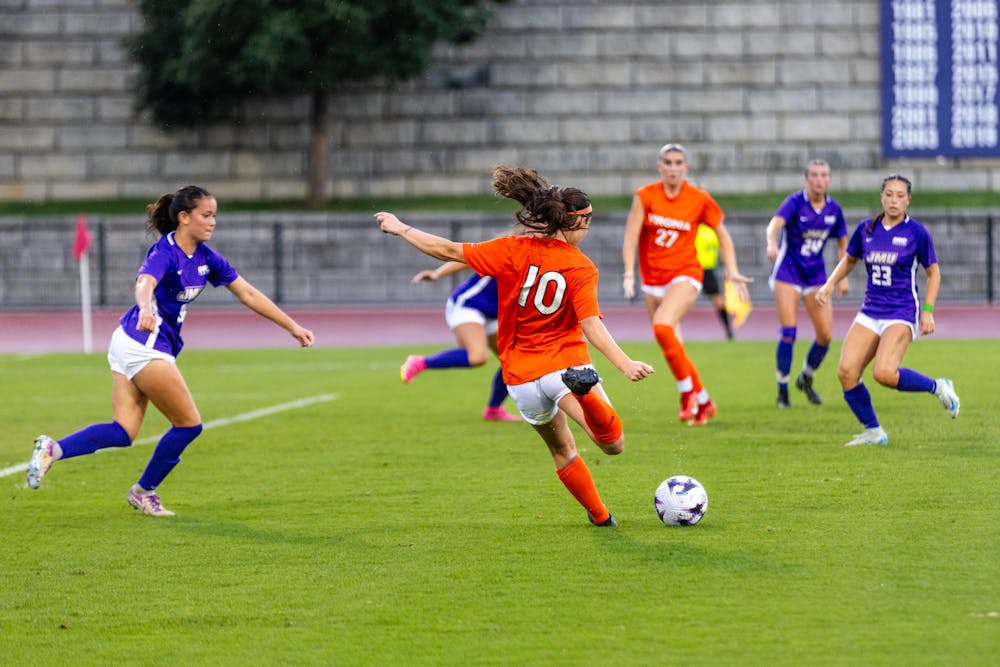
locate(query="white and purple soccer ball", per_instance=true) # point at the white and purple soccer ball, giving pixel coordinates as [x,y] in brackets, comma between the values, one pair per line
[680,501]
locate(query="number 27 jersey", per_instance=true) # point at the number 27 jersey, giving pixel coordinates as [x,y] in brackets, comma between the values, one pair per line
[669,228]
[545,287]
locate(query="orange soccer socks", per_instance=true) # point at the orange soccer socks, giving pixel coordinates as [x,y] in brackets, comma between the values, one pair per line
[601,418]
[575,476]
[673,351]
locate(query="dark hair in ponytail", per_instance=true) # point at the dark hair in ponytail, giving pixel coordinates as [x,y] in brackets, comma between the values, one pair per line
[544,208]
[885,181]
[162,214]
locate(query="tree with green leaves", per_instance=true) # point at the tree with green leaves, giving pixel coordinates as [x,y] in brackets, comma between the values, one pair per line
[201,59]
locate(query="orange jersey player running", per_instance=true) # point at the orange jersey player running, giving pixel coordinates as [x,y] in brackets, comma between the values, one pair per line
[547,304]
[662,224]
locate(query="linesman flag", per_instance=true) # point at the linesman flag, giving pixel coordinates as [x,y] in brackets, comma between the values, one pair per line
[736,306]
[82,239]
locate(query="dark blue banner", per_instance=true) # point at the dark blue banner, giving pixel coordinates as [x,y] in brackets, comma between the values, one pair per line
[939,78]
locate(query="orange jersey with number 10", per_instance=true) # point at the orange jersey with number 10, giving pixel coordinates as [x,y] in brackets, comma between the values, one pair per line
[669,228]
[545,287]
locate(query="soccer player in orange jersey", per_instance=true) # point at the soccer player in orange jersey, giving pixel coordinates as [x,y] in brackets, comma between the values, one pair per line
[661,229]
[547,292]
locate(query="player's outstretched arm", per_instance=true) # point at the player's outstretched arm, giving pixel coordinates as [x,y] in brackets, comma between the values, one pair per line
[435,246]
[599,336]
[258,302]
[446,269]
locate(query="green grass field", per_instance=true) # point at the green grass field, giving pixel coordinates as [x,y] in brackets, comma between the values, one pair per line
[389,525]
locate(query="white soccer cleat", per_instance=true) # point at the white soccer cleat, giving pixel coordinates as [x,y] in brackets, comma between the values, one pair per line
[870,436]
[148,504]
[946,394]
[41,460]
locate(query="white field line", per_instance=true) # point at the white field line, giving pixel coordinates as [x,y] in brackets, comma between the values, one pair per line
[215,423]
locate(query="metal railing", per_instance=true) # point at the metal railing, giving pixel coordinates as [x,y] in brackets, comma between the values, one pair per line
[319,259]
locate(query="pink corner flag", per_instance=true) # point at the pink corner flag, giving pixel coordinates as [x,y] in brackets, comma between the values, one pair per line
[82,239]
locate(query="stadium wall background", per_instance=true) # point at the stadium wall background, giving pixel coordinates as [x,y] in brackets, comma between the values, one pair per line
[583,90]
[317,258]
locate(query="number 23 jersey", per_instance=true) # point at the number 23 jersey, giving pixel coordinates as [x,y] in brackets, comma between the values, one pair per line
[891,257]
[545,287]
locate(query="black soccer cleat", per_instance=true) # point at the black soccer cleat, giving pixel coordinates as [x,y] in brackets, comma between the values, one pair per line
[607,523]
[783,401]
[805,383]
[580,380]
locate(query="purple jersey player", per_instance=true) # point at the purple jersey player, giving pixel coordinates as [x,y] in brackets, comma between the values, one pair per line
[804,222]
[891,245]
[471,314]
[180,278]
[143,349]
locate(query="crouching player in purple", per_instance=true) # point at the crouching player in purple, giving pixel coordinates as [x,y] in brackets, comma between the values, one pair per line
[804,222]
[143,350]
[891,245]
[471,313]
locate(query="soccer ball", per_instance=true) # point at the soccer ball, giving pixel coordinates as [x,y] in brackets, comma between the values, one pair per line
[680,501]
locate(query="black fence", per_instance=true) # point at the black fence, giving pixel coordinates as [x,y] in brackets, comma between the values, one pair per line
[317,259]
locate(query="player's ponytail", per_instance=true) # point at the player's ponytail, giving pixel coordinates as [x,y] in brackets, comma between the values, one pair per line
[870,227]
[158,215]
[544,208]
[162,214]
[517,183]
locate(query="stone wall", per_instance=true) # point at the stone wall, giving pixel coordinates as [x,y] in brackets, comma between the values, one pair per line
[583,90]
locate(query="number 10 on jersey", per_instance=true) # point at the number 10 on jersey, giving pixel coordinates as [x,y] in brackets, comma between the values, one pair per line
[555,294]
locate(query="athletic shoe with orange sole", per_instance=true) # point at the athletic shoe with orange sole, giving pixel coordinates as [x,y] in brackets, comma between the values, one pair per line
[689,406]
[705,412]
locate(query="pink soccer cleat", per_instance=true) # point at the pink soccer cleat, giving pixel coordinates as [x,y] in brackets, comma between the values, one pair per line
[498,414]
[411,368]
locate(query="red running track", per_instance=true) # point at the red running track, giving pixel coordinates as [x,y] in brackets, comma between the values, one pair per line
[32,332]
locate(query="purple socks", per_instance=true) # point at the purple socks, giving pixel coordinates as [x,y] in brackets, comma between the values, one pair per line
[96,436]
